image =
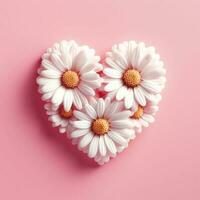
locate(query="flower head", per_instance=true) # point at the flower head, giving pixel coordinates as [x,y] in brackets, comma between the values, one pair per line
[102,129]
[144,115]
[68,74]
[135,74]
[59,117]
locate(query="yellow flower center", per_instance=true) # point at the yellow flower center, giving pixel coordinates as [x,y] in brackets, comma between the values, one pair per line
[138,113]
[100,126]
[65,114]
[70,79]
[131,78]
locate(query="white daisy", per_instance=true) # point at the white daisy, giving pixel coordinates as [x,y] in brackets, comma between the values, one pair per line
[59,117]
[144,115]
[135,73]
[68,74]
[102,129]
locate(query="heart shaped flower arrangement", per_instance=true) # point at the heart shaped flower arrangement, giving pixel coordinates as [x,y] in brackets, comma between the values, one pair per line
[132,79]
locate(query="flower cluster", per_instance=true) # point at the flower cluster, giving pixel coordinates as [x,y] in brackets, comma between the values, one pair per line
[132,77]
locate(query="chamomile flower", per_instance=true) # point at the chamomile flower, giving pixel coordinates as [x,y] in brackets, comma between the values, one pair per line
[135,73]
[68,74]
[103,129]
[59,117]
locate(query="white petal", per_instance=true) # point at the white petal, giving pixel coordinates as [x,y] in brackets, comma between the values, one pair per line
[135,105]
[88,67]
[47,96]
[150,97]
[136,55]
[50,73]
[56,119]
[67,60]
[139,96]
[104,160]
[148,118]
[86,89]
[120,124]
[68,100]
[48,65]
[145,61]
[85,140]
[58,96]
[107,102]
[93,148]
[131,47]
[100,107]
[82,124]
[153,74]
[121,93]
[110,144]
[90,76]
[80,60]
[42,81]
[64,47]
[47,106]
[62,130]
[51,112]
[98,67]
[57,62]
[102,146]
[64,123]
[82,97]
[119,58]
[111,109]
[125,133]
[79,133]
[153,66]
[93,84]
[77,100]
[90,111]
[113,85]
[121,115]
[112,64]
[121,148]
[50,86]
[129,99]
[73,49]
[117,138]
[113,73]
[159,81]
[93,102]
[56,47]
[151,110]
[143,122]
[150,86]
[45,56]
[81,116]
[111,95]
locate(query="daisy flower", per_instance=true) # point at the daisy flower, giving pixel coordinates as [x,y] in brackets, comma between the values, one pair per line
[68,74]
[102,129]
[135,73]
[144,115]
[59,117]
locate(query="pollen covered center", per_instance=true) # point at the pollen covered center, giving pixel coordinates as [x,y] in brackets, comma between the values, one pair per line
[131,78]
[138,114]
[65,114]
[100,126]
[70,79]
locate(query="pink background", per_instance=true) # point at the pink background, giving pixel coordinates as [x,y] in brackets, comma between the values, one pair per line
[38,163]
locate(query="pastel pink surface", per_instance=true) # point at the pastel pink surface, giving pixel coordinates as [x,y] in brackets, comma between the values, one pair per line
[38,163]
